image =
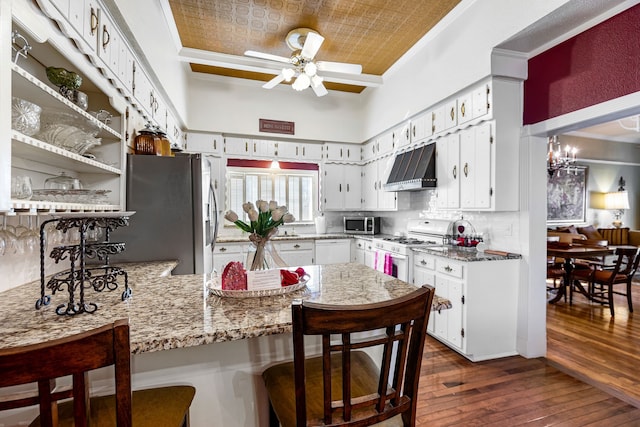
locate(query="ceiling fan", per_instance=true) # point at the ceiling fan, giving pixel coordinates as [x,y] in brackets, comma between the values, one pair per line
[304,43]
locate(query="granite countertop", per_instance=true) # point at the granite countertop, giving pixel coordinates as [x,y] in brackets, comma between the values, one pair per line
[282,236]
[168,312]
[465,254]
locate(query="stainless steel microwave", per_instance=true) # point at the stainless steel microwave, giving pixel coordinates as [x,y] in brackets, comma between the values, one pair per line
[362,224]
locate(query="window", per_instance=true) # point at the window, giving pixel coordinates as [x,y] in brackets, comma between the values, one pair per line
[295,188]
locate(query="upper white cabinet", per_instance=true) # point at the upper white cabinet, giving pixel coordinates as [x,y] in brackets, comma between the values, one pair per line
[237,146]
[299,151]
[421,127]
[200,142]
[340,186]
[477,166]
[337,152]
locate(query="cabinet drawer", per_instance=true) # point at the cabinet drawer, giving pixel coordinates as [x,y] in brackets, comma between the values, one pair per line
[424,261]
[449,268]
[222,248]
[295,246]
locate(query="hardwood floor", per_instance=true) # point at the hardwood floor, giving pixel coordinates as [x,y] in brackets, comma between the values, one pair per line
[601,354]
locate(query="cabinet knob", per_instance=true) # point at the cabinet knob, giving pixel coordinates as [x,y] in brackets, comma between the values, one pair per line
[223,249]
[423,262]
[462,109]
[453,113]
[296,246]
[466,170]
[105,37]
[448,269]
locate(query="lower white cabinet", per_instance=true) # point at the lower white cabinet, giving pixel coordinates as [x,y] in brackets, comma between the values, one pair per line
[357,253]
[295,252]
[224,253]
[482,322]
[424,273]
[333,251]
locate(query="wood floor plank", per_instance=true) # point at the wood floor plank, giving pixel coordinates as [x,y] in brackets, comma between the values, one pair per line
[590,377]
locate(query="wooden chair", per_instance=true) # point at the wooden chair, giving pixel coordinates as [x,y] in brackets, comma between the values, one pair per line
[344,386]
[73,357]
[601,282]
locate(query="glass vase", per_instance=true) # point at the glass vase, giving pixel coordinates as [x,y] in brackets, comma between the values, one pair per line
[263,256]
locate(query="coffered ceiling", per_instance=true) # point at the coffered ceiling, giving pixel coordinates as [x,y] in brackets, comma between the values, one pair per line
[373,33]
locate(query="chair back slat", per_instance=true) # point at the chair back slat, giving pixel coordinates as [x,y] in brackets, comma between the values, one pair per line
[72,356]
[403,323]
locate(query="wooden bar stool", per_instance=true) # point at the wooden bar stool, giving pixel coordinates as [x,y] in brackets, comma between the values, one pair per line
[345,386]
[75,356]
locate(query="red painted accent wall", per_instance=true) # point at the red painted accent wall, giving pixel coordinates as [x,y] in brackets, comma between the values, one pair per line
[266,164]
[597,65]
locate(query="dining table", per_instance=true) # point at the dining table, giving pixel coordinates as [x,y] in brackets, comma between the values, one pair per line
[570,253]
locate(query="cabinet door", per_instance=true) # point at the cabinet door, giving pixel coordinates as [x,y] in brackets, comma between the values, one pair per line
[369,150]
[84,18]
[451,114]
[481,100]
[401,136]
[287,150]
[108,43]
[438,120]
[442,317]
[369,255]
[142,91]
[386,143]
[465,108]
[352,187]
[332,186]
[386,199]
[359,251]
[333,251]
[475,162]
[296,252]
[238,146]
[448,171]
[342,152]
[263,149]
[370,186]
[309,151]
[224,253]
[421,127]
[455,318]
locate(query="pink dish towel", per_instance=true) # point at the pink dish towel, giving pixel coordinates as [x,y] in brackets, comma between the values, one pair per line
[375,260]
[388,264]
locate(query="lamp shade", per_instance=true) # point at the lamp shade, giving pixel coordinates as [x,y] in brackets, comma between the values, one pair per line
[616,200]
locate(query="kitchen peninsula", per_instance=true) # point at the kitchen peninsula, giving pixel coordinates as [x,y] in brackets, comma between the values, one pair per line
[220,345]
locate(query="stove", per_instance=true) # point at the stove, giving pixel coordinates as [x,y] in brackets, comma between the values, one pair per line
[394,254]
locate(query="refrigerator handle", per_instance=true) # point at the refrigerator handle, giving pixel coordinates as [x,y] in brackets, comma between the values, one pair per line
[213,214]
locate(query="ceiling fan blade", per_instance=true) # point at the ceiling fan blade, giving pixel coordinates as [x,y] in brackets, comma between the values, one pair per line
[274,81]
[319,89]
[339,67]
[312,44]
[267,56]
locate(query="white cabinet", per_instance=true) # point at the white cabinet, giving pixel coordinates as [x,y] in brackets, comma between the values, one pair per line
[299,151]
[475,167]
[482,322]
[224,253]
[333,251]
[210,143]
[234,146]
[358,252]
[421,127]
[369,254]
[448,171]
[424,274]
[369,150]
[295,252]
[340,186]
[451,114]
[338,152]
[438,120]
[401,136]
[385,143]
[374,197]
[481,100]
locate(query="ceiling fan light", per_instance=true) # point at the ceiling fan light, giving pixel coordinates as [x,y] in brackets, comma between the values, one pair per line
[316,80]
[302,82]
[310,69]
[288,73]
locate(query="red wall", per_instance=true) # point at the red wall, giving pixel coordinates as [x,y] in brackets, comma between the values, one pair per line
[597,65]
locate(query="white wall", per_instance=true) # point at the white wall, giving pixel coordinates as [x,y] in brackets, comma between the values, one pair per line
[220,106]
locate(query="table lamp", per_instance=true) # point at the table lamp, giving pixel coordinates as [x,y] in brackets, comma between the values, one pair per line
[617,201]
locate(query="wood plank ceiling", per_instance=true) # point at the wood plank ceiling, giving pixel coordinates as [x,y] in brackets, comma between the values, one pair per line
[373,33]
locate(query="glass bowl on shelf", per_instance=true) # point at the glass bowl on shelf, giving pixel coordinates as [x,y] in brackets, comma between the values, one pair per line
[85,196]
[62,182]
[25,116]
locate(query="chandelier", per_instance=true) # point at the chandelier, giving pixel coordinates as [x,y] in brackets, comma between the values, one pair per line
[557,158]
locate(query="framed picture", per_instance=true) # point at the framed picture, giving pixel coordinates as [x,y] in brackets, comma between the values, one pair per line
[567,196]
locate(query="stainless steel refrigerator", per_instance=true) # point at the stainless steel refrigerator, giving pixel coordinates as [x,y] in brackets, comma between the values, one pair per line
[176,212]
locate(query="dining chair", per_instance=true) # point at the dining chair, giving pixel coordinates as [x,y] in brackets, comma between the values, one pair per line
[346,385]
[602,281]
[73,357]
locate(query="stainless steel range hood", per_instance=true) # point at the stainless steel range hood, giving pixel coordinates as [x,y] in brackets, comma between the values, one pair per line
[413,170]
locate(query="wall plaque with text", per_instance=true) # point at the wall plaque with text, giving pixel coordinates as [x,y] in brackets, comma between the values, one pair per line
[277,126]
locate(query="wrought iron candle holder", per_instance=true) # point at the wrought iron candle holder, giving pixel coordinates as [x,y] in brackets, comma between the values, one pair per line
[80,276]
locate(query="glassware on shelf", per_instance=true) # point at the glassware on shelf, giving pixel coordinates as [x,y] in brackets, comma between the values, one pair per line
[10,239]
[29,239]
[21,187]
[25,116]
[62,182]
